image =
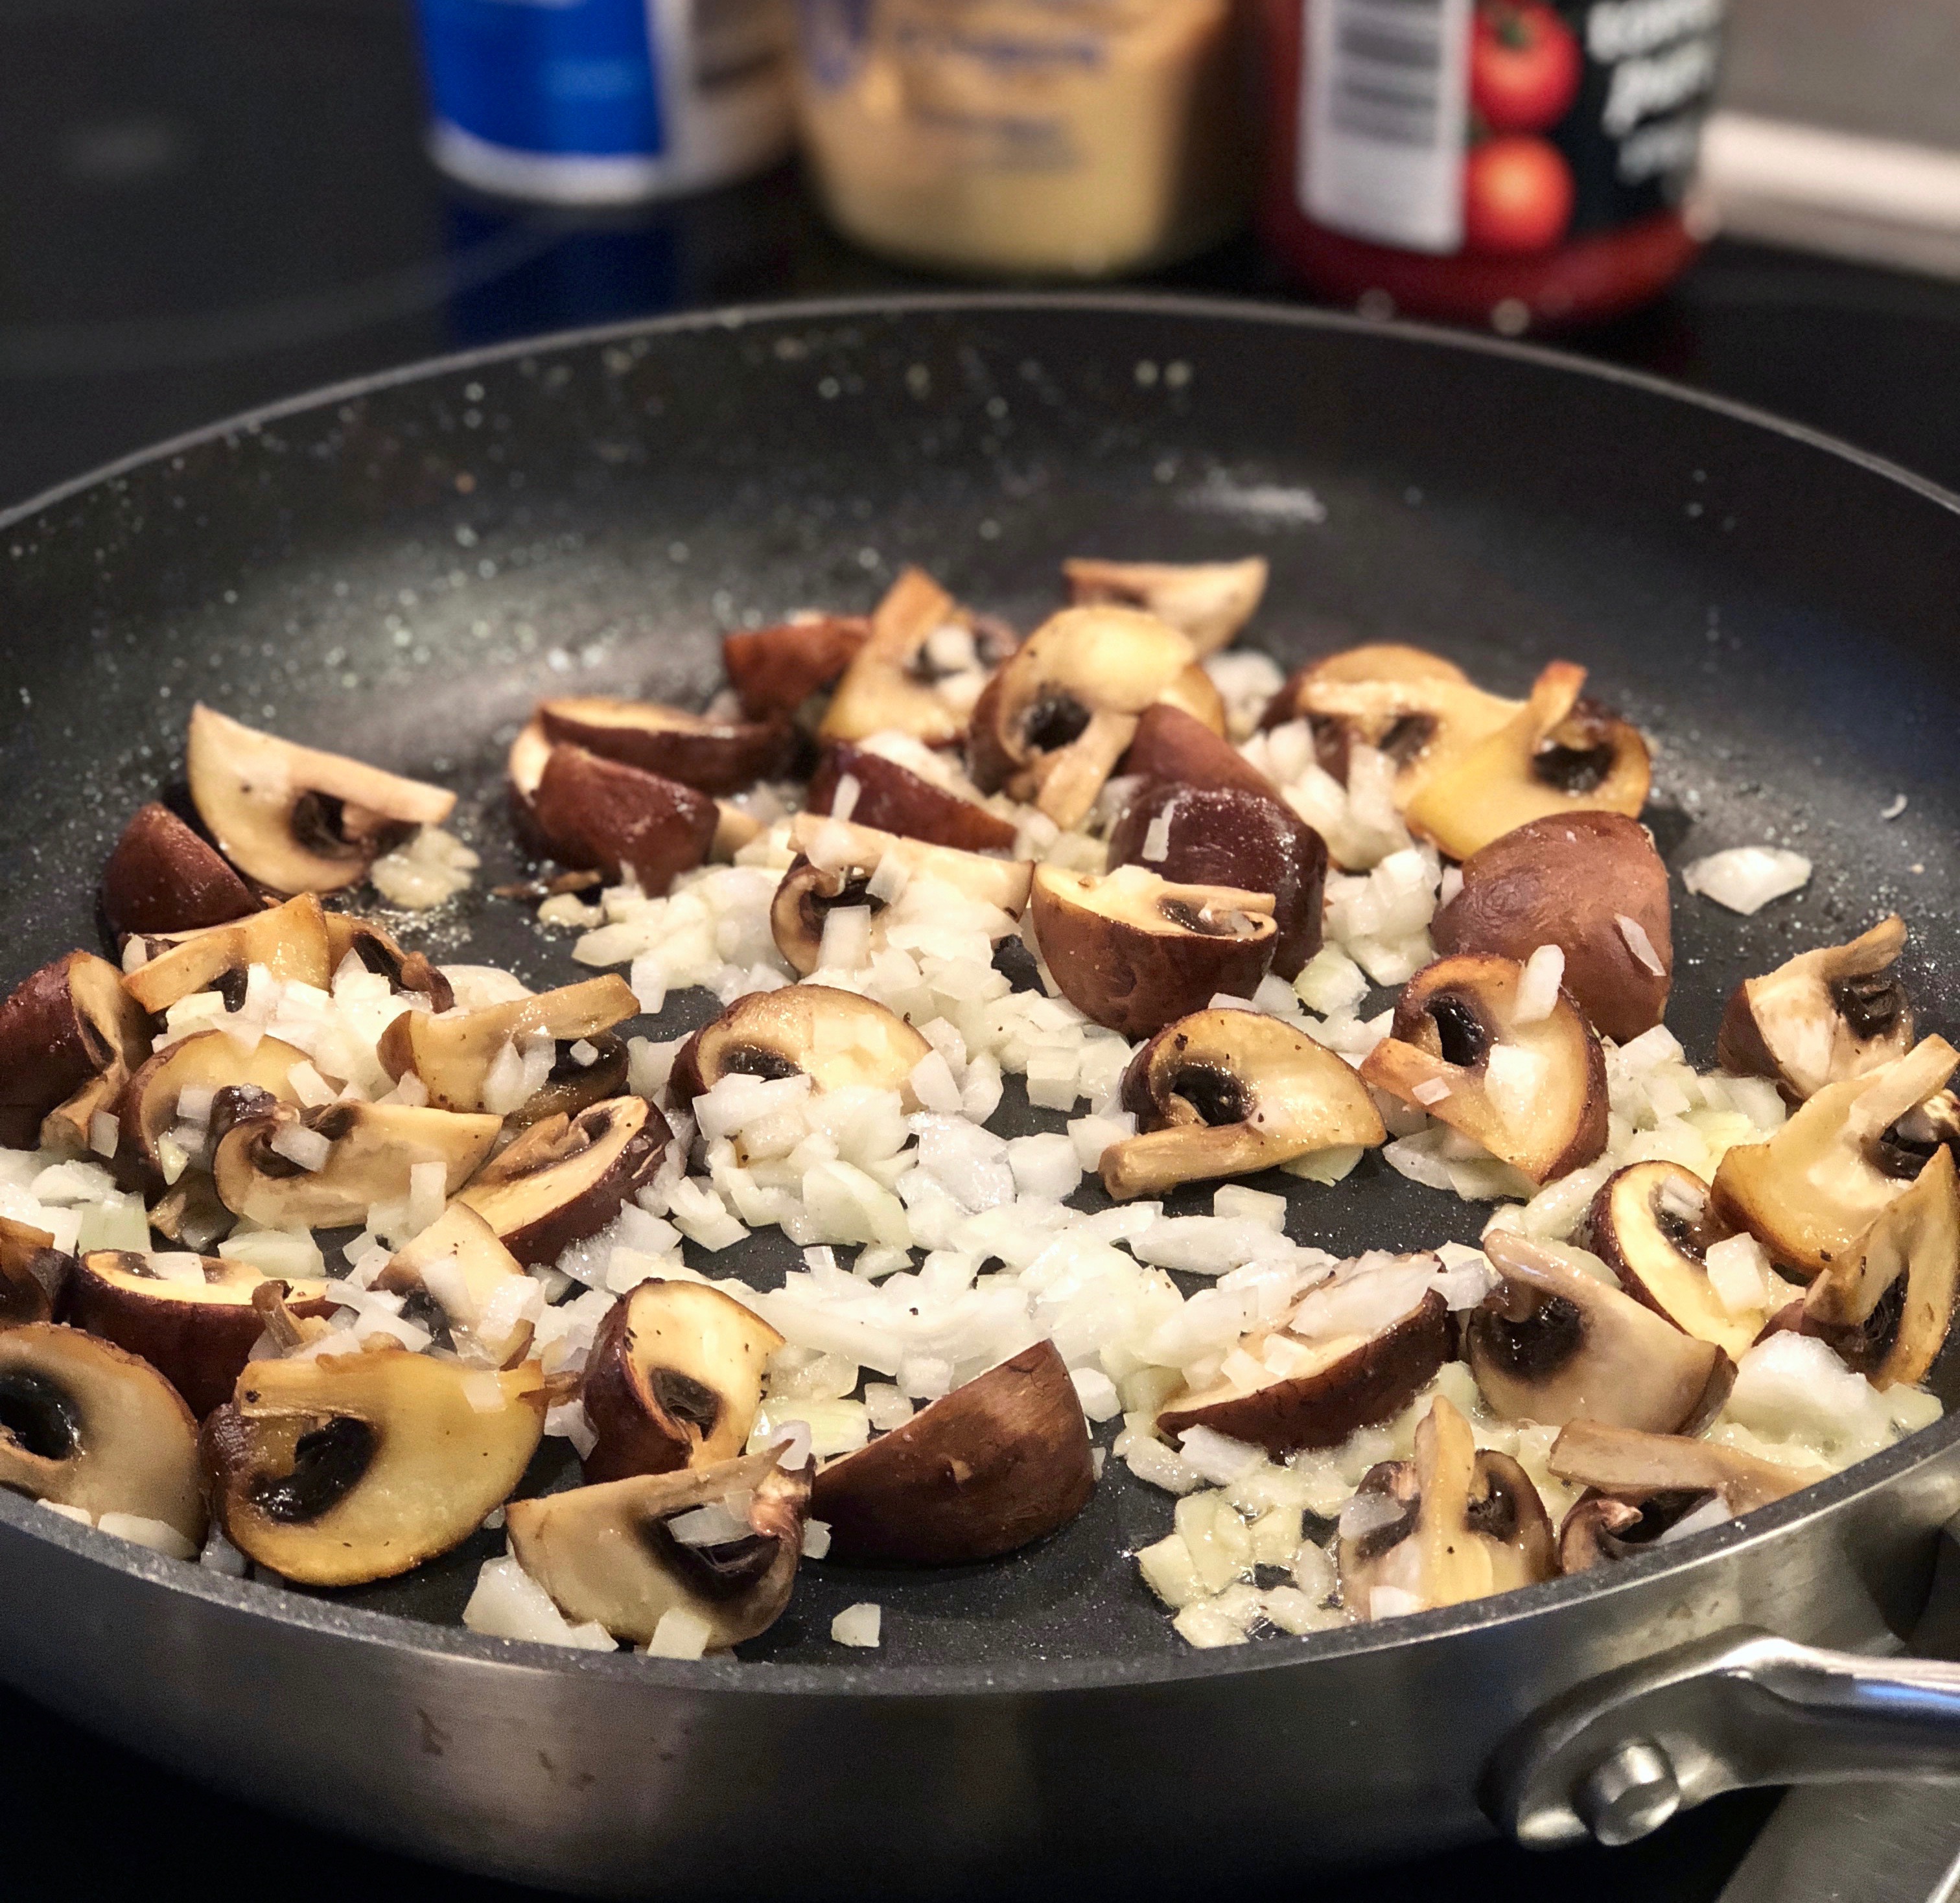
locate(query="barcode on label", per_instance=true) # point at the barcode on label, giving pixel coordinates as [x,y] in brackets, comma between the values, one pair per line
[1383,105]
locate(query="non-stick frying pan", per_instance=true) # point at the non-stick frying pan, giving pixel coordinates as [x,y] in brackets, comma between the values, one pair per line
[400,568]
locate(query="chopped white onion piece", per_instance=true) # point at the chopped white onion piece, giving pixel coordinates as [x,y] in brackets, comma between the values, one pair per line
[1745,879]
[297,1144]
[1156,840]
[1639,944]
[679,1634]
[1538,989]
[858,1624]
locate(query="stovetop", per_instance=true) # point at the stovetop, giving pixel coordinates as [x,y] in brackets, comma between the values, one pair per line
[213,205]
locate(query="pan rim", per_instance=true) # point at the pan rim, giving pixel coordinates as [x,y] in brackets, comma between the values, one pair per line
[328,1621]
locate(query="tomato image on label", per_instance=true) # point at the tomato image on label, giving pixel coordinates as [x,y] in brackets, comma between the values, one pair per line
[1524,66]
[1518,195]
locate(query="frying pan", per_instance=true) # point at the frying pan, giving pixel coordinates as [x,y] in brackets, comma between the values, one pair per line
[399,567]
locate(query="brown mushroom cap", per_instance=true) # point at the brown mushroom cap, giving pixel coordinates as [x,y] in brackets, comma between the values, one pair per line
[1371,662]
[69,1026]
[1208,601]
[84,1424]
[341,1468]
[161,877]
[1553,1343]
[834,1038]
[1225,1092]
[206,1060]
[459,1264]
[1450,1019]
[605,816]
[406,971]
[1001,1461]
[894,799]
[293,818]
[607,1554]
[1134,952]
[290,940]
[881,691]
[674,1379]
[1231,837]
[1349,1383]
[712,756]
[1471,1524]
[1567,881]
[775,670]
[1173,745]
[1822,1017]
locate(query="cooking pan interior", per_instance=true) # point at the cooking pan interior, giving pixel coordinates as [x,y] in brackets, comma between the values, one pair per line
[400,570]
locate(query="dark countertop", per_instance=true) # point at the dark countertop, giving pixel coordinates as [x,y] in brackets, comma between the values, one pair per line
[214,206]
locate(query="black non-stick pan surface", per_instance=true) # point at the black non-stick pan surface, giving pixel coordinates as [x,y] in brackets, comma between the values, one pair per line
[399,569]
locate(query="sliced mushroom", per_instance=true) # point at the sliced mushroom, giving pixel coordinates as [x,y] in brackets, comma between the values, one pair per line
[674,1379]
[602,815]
[477,1287]
[1134,952]
[162,877]
[67,1027]
[290,940]
[524,768]
[206,1061]
[189,1215]
[455,1054]
[836,1038]
[1373,661]
[1063,710]
[1907,1146]
[289,1168]
[1332,1388]
[1558,754]
[1653,1224]
[197,1331]
[1552,1342]
[714,756]
[1578,880]
[84,1423]
[1209,601]
[1225,1092]
[722,1543]
[1826,1016]
[337,1469]
[1001,1461]
[1230,837]
[1467,1524]
[1531,1093]
[293,818]
[894,799]
[1887,1307]
[565,1178]
[883,689]
[1194,693]
[377,952]
[1172,745]
[776,671]
[33,1273]
[1810,1191]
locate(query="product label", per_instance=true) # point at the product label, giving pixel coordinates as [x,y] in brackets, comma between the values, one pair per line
[1499,127]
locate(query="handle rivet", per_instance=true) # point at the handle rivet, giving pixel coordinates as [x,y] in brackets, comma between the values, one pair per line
[1629,1795]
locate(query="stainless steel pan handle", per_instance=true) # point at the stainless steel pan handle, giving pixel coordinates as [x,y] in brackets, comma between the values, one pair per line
[1617,1758]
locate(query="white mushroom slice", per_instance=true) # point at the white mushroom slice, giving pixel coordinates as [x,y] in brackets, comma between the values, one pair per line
[289,940]
[1209,601]
[459,1264]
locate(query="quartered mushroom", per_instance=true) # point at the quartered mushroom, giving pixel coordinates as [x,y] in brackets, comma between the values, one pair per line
[893,798]
[375,951]
[1134,951]
[69,1038]
[213,1066]
[1315,1394]
[1226,1093]
[1170,744]
[565,1178]
[1229,836]
[674,1379]
[1532,1092]
[834,1038]
[1887,1307]
[459,1266]
[1063,710]
[1001,1461]
[1907,1147]
[1590,883]
[892,685]
[471,1061]
[1653,1225]
[722,1543]
[602,816]
[288,1167]
[1812,1188]
[335,1469]
[33,1273]
[290,940]
[838,865]
[1454,1523]
[713,756]
[293,818]
[1558,754]
[1552,1342]
[1209,601]
[1824,1016]
[776,672]
[1640,1485]
[162,877]
[191,1317]
[84,1423]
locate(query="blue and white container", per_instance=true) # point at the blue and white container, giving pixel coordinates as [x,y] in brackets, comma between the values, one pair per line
[585,102]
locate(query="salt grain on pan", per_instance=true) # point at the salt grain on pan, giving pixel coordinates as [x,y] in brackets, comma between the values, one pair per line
[1744,879]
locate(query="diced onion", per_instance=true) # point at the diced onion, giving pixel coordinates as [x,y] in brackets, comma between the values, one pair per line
[1745,879]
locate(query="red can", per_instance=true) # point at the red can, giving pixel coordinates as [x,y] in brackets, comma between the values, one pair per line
[1523,163]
